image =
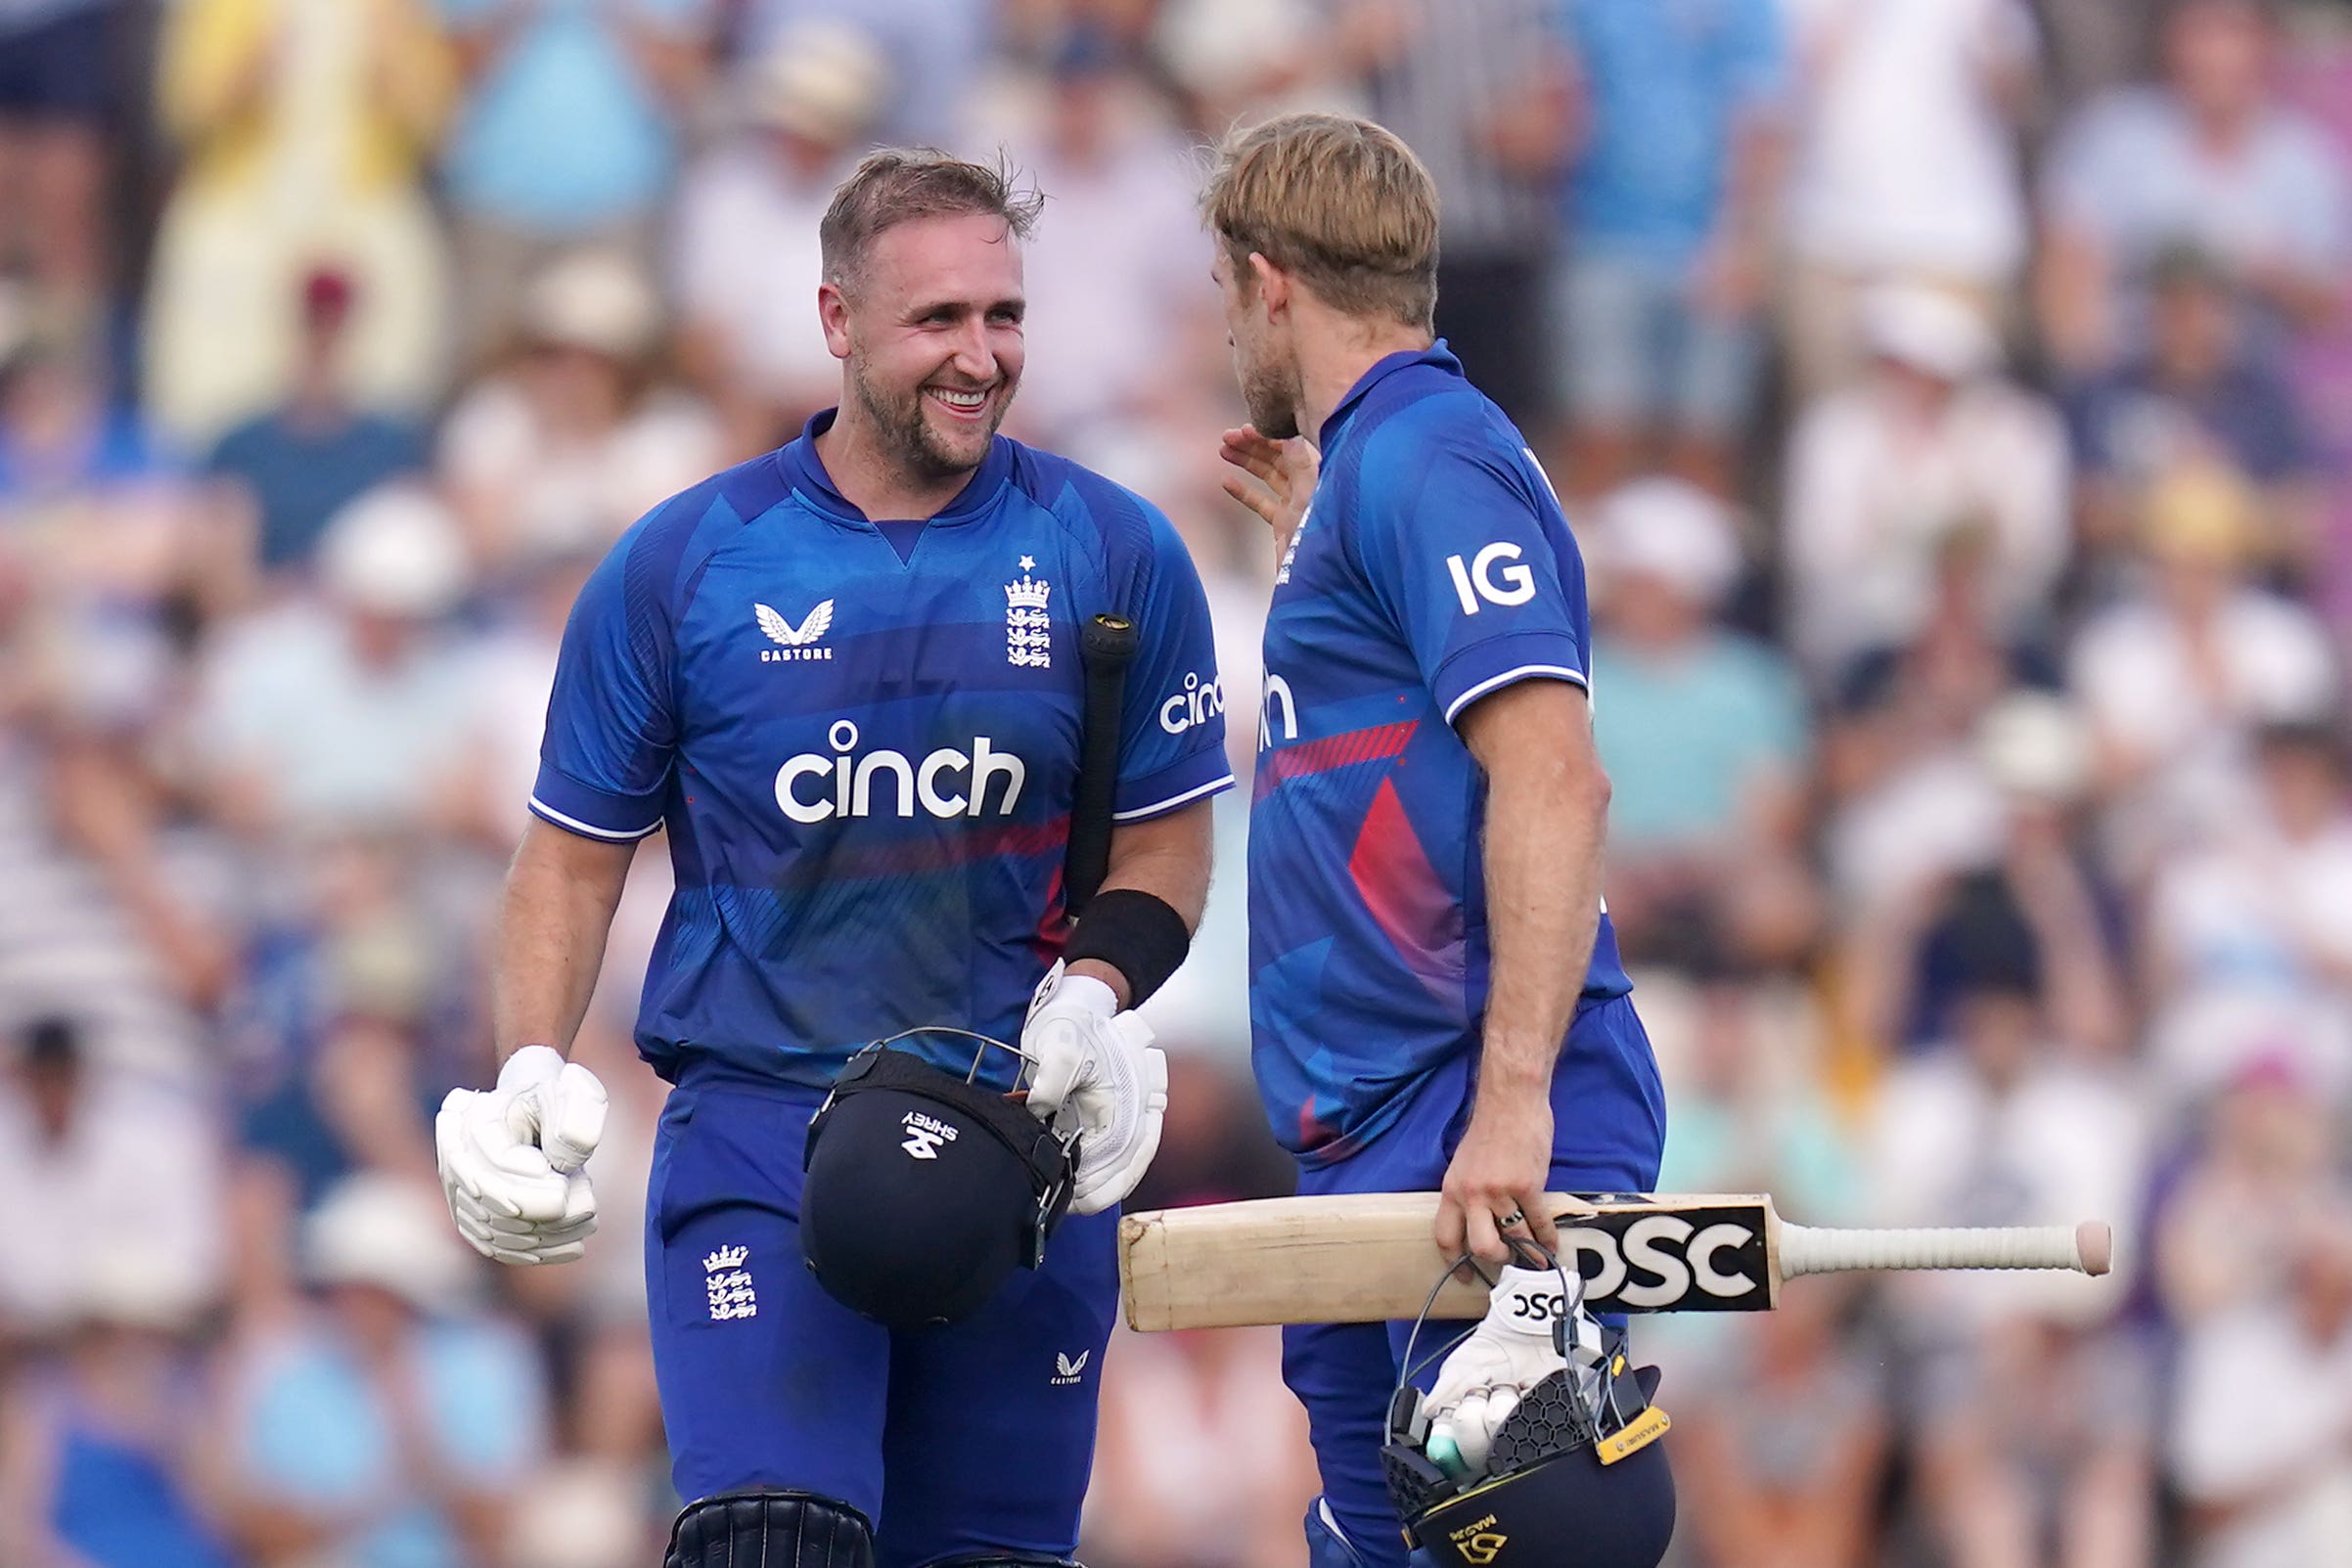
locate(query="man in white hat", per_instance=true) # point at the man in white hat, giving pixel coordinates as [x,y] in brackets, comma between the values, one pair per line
[1704,734]
[389,1423]
[743,260]
[1932,459]
[347,707]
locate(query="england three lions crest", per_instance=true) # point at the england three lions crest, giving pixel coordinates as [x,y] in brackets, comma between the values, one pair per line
[1028,627]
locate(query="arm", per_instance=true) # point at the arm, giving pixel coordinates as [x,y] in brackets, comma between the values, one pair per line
[1167,857]
[561,893]
[1546,813]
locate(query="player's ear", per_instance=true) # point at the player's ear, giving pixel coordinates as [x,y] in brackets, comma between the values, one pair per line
[1273,285]
[832,314]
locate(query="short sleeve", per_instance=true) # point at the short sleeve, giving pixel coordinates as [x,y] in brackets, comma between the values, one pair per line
[1466,550]
[1172,719]
[605,761]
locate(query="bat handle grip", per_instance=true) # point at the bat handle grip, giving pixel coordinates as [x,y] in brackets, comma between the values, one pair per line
[2086,1248]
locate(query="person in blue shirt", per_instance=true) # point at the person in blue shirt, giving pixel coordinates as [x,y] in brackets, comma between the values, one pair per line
[844,677]
[1437,1000]
[1667,210]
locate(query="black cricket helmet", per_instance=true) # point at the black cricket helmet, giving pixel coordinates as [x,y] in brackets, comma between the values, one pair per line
[925,1188]
[1576,1477]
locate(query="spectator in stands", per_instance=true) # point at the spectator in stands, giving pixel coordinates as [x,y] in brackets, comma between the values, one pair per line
[100,1463]
[387,1426]
[567,139]
[99,519]
[2176,678]
[938,52]
[2198,393]
[1111,272]
[305,132]
[90,1154]
[350,709]
[1905,166]
[1477,89]
[2263,1171]
[576,436]
[1934,464]
[2033,1424]
[60,92]
[296,467]
[2212,157]
[1680,116]
[2260,1432]
[1781,1450]
[746,267]
[2256,921]
[1704,734]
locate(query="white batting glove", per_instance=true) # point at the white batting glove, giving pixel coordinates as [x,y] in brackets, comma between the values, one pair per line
[1508,1354]
[512,1158]
[1095,1067]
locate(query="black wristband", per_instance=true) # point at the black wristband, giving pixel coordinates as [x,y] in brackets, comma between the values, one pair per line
[1138,934]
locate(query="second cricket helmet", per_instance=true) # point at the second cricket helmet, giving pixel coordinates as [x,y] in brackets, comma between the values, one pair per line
[1554,1497]
[1576,1476]
[925,1190]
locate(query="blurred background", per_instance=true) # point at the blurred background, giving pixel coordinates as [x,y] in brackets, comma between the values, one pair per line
[1953,397]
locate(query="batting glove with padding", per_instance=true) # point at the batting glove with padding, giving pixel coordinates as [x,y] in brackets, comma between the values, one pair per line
[1096,1067]
[512,1158]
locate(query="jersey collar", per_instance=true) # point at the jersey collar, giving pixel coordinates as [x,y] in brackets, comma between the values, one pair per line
[1437,356]
[806,473]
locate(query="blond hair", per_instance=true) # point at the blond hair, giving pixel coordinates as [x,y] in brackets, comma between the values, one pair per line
[897,184]
[1340,203]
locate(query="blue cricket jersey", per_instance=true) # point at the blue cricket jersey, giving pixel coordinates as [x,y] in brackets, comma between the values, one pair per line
[866,762]
[1433,566]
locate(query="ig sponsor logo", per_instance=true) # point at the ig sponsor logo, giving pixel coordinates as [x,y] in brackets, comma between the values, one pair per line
[1480,580]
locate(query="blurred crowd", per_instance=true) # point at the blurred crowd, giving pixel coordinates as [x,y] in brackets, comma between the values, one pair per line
[1953,399]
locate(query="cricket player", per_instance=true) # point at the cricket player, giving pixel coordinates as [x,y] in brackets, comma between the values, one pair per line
[1435,994]
[844,676]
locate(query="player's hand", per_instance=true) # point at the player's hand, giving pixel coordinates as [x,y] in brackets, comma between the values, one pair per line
[1285,475]
[1498,1174]
[1094,1068]
[512,1158]
[1511,1351]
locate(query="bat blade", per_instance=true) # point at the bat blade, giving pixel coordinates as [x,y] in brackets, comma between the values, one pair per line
[1373,1257]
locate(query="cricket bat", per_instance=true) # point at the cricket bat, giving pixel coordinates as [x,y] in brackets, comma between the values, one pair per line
[1371,1257]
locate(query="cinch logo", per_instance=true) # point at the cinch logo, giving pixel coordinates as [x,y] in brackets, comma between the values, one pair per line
[1277,690]
[848,786]
[1478,580]
[1195,704]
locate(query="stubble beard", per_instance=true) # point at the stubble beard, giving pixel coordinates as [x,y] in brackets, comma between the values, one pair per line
[907,432]
[1270,393]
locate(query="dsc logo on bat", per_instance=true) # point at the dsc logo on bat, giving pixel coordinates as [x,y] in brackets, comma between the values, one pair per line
[1696,1261]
